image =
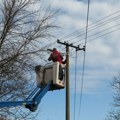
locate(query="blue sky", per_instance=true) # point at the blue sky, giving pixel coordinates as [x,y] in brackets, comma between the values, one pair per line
[102,59]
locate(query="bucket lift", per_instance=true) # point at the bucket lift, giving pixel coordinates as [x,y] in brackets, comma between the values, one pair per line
[54,73]
[49,77]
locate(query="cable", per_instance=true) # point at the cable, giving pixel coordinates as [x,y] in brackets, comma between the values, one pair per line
[102,35]
[75,86]
[100,32]
[100,25]
[98,36]
[84,60]
[90,30]
[76,32]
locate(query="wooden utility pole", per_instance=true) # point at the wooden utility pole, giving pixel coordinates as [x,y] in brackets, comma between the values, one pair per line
[67,75]
[67,85]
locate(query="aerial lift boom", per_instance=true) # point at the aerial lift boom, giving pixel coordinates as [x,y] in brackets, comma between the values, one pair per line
[31,102]
[47,79]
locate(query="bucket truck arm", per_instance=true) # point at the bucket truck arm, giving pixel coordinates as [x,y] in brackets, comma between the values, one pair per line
[51,77]
[32,101]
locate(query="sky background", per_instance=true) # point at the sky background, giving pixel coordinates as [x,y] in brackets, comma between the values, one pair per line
[102,58]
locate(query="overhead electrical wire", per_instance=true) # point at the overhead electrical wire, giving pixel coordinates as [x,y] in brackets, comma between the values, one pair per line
[99,34]
[78,31]
[90,26]
[100,26]
[104,34]
[83,70]
[107,29]
[90,30]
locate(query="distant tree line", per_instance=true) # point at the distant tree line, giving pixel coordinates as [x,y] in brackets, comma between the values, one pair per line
[114,114]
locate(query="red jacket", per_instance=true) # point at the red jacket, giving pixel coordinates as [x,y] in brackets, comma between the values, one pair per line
[56,56]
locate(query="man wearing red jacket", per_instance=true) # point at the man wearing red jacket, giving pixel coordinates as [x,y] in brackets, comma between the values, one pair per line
[56,56]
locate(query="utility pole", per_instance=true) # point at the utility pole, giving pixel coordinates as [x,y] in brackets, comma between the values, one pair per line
[67,75]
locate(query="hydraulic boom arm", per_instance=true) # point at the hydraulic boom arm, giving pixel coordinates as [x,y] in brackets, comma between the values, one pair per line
[32,101]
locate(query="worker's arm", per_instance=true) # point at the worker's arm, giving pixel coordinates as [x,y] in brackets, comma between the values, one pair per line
[61,56]
[50,58]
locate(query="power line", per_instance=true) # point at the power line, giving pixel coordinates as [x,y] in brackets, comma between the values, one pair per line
[100,32]
[100,25]
[100,36]
[76,32]
[104,34]
[83,71]
[93,28]
[108,16]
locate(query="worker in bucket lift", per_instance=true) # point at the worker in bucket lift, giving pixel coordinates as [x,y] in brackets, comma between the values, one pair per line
[56,56]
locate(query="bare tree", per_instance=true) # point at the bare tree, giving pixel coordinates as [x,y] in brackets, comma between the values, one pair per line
[4,119]
[116,86]
[115,112]
[113,115]
[22,30]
